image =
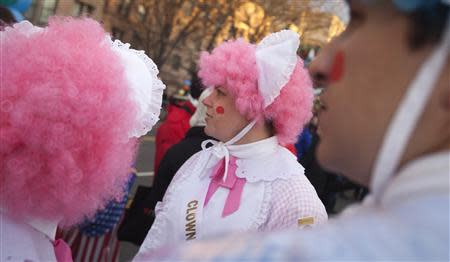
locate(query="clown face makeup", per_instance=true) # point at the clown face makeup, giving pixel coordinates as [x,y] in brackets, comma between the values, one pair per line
[337,68]
[359,107]
[268,73]
[223,120]
[220,110]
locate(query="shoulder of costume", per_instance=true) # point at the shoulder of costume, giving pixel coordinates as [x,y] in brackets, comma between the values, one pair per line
[281,164]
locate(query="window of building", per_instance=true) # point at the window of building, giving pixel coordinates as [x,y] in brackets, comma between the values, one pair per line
[48,9]
[117,33]
[176,62]
[82,9]
[107,5]
[136,40]
[30,13]
[124,7]
[142,12]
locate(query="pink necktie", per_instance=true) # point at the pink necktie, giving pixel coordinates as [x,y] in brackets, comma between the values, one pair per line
[62,251]
[233,183]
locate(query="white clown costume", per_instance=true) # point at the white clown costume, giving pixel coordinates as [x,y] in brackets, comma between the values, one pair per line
[228,188]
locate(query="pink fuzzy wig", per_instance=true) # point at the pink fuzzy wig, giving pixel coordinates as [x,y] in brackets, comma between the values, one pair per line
[65,114]
[232,65]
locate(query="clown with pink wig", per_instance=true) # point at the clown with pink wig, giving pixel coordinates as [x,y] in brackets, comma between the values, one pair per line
[72,105]
[247,180]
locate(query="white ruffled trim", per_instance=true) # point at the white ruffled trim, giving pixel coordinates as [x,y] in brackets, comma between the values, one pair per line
[276,38]
[265,49]
[280,165]
[24,27]
[148,117]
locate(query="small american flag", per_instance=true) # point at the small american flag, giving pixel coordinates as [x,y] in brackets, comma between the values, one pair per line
[104,248]
[96,239]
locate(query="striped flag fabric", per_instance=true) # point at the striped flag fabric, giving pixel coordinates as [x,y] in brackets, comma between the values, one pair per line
[96,239]
[104,248]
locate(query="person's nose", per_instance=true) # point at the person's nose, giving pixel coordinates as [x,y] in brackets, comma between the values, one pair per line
[208,101]
[319,70]
[320,67]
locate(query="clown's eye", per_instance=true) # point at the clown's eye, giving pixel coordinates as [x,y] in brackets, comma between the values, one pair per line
[357,18]
[357,13]
[220,92]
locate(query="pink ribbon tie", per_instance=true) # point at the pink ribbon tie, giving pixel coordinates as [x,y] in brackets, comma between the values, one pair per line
[62,251]
[232,182]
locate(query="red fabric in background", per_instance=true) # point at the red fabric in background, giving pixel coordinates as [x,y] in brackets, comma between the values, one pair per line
[291,147]
[173,129]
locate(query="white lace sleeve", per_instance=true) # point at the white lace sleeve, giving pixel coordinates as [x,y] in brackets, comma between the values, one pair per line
[294,204]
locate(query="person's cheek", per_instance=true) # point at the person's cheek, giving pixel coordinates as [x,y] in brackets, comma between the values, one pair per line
[337,69]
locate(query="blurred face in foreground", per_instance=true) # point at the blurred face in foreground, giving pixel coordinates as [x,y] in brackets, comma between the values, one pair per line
[366,71]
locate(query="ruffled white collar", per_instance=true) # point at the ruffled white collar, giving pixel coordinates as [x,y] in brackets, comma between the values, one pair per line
[256,149]
[264,160]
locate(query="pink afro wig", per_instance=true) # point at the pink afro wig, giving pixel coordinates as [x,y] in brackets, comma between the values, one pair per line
[232,65]
[65,114]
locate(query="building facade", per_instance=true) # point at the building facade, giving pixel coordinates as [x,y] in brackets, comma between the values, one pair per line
[173,32]
[41,10]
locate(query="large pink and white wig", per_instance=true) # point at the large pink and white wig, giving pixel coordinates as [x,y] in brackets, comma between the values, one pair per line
[232,65]
[65,113]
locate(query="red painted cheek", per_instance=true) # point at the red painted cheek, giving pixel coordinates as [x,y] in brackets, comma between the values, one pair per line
[337,69]
[220,110]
